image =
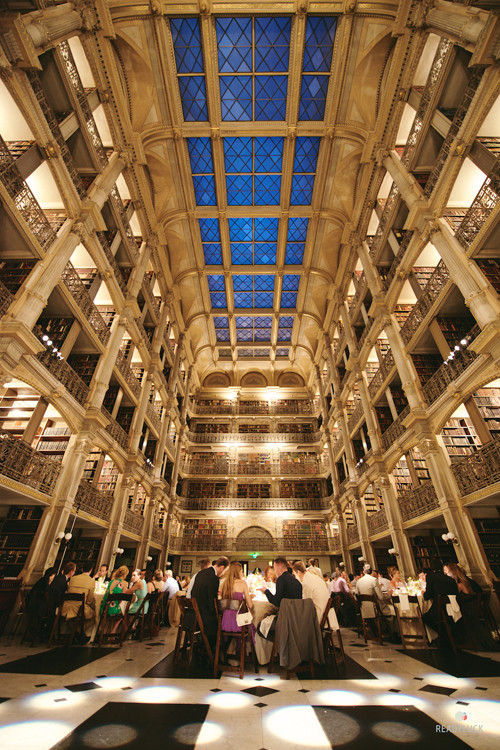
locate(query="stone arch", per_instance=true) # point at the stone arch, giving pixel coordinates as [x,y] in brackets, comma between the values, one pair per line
[254,536]
[291,380]
[217,379]
[255,379]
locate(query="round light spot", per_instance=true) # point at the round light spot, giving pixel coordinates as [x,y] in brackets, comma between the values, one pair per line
[230,700]
[396,731]
[27,733]
[109,735]
[296,725]
[155,694]
[340,698]
[199,734]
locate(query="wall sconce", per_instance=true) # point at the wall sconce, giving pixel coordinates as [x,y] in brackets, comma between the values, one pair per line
[392,551]
[361,559]
[119,551]
[450,537]
[342,564]
[148,558]
[168,564]
[59,537]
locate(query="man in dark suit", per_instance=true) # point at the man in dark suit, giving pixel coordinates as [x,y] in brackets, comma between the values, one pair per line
[436,583]
[57,589]
[205,590]
[287,586]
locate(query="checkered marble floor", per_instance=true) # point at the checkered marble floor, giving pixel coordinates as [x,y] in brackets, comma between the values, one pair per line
[89,702]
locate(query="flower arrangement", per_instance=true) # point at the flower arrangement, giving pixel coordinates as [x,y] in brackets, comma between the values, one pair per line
[255,581]
[414,586]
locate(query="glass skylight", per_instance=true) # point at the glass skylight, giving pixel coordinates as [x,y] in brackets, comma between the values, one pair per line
[296,239]
[320,36]
[253,241]
[202,168]
[222,329]
[217,290]
[251,328]
[210,237]
[304,168]
[285,326]
[290,289]
[253,170]
[253,56]
[189,60]
[253,291]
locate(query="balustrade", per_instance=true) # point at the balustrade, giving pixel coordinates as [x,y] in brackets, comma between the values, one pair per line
[449,372]
[91,500]
[395,430]
[352,535]
[382,373]
[431,292]
[480,469]
[305,407]
[24,464]
[133,522]
[419,501]
[6,299]
[405,241]
[157,534]
[124,369]
[366,331]
[355,416]
[78,291]
[249,503]
[254,468]
[230,544]
[376,244]
[254,437]
[147,289]
[481,208]
[117,202]
[377,522]
[115,430]
[360,288]
[112,262]
[65,374]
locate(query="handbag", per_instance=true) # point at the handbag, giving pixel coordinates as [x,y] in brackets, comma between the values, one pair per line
[243,616]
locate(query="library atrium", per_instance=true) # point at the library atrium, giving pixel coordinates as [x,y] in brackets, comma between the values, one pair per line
[249,306]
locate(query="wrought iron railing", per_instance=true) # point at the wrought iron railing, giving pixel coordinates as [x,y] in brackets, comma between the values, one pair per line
[115,430]
[133,522]
[377,522]
[91,500]
[383,372]
[360,288]
[235,468]
[153,417]
[376,244]
[431,292]
[65,374]
[405,241]
[27,466]
[355,416]
[352,533]
[395,430]
[481,208]
[157,534]
[117,202]
[147,289]
[250,503]
[254,437]
[112,262]
[79,292]
[449,372]
[418,502]
[264,408]
[230,544]
[480,469]
[125,370]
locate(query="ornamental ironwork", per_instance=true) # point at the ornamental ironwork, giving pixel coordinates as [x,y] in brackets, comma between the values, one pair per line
[480,209]
[124,369]
[253,437]
[449,372]
[418,502]
[79,292]
[421,309]
[27,466]
[64,373]
[94,502]
[480,469]
[101,236]
[133,522]
[377,522]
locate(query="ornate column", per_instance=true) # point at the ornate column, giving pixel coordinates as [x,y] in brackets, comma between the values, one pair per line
[178,447]
[371,423]
[104,369]
[147,526]
[111,538]
[407,185]
[364,534]
[344,544]
[175,367]
[140,413]
[399,537]
[409,379]
[463,25]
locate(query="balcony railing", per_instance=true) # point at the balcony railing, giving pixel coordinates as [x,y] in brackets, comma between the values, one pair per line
[395,430]
[432,290]
[25,465]
[153,417]
[65,374]
[360,287]
[449,372]
[366,331]
[90,500]
[355,416]
[147,289]
[125,370]
[250,503]
[229,544]
[254,437]
[115,199]
[480,469]
[234,468]
[133,522]
[390,204]
[6,299]
[382,373]
[418,502]
[407,236]
[157,534]
[377,522]
[300,406]
[115,430]
[482,207]
[112,262]
[352,535]
[82,298]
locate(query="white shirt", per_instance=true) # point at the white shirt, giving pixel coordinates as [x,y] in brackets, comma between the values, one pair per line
[171,586]
[315,588]
[368,585]
[384,584]
[190,587]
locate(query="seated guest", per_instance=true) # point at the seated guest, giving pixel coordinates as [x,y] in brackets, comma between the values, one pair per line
[269,574]
[185,582]
[37,607]
[395,580]
[118,585]
[204,563]
[103,574]
[149,581]
[57,589]
[158,580]
[81,584]
[346,606]
[287,587]
[316,589]
[436,584]
[140,589]
[384,583]
[368,585]
[313,567]
[233,591]
[205,591]
[465,584]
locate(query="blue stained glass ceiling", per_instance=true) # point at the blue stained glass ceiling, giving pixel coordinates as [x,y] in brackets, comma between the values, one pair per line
[253,291]
[217,290]
[318,52]
[253,170]
[210,238]
[290,290]
[304,168]
[253,241]
[186,38]
[255,329]
[202,168]
[253,56]
[296,239]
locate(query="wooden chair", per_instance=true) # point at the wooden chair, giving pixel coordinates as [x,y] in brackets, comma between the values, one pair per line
[444,620]
[139,617]
[152,619]
[191,625]
[110,620]
[245,637]
[378,617]
[413,619]
[328,639]
[308,666]
[9,591]
[73,623]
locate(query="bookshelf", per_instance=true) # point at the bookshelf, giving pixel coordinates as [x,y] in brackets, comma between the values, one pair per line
[209,528]
[108,477]
[399,398]
[419,465]
[253,490]
[250,463]
[110,397]
[460,437]
[54,440]
[401,474]
[489,535]
[254,407]
[85,551]
[454,216]
[14,273]
[489,142]
[455,329]
[18,148]
[306,490]
[56,328]
[84,365]
[16,408]
[431,552]
[198,490]
[216,428]
[426,364]
[384,416]
[107,314]
[86,276]
[295,428]
[401,312]
[491,269]
[91,464]
[423,274]
[17,531]
[303,532]
[488,402]
[253,429]
[124,417]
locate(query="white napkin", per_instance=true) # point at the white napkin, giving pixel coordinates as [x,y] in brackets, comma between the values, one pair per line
[404,602]
[453,608]
[265,624]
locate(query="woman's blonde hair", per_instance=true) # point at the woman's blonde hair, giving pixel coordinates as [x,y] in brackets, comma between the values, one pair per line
[121,572]
[158,576]
[270,574]
[233,574]
[459,575]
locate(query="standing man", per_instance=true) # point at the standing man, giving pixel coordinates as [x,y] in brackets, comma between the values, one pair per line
[204,563]
[170,589]
[205,590]
[57,589]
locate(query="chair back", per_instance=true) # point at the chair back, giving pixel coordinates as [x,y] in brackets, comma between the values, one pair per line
[369,611]
[127,598]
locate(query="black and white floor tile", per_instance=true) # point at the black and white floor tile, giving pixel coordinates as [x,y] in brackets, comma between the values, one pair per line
[134,697]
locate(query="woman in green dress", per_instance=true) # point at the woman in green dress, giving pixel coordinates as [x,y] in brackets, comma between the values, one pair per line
[140,589]
[117,585]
